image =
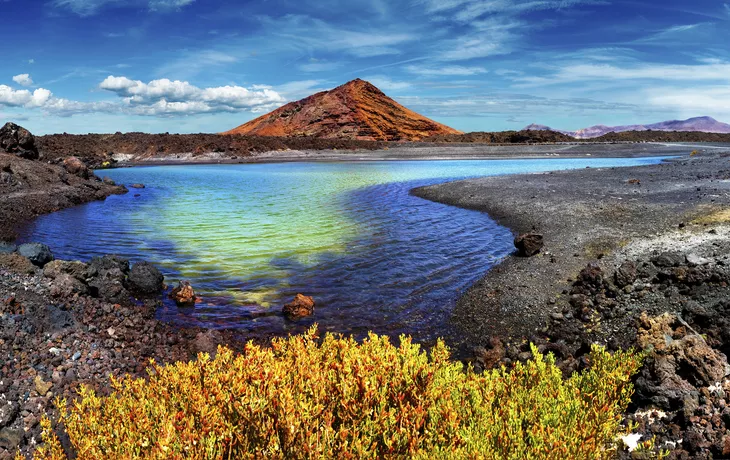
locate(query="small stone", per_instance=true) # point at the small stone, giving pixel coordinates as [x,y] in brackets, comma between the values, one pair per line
[137,186]
[76,356]
[40,386]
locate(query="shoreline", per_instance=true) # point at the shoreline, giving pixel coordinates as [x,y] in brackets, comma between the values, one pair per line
[584,215]
[436,153]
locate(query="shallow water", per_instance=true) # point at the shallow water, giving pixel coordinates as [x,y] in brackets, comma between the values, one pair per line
[249,237]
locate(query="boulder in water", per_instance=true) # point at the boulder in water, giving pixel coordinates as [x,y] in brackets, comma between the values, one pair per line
[183,294]
[300,307]
[39,254]
[18,141]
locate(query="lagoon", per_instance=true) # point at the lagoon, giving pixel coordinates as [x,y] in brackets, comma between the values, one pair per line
[249,237]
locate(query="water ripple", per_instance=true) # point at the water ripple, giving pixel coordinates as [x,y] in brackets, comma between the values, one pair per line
[249,237]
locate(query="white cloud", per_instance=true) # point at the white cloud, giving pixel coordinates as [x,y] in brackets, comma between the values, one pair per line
[706,71]
[157,98]
[165,96]
[91,7]
[23,98]
[23,79]
[449,70]
[711,100]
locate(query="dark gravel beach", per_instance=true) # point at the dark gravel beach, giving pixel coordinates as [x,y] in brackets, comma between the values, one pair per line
[583,216]
[633,257]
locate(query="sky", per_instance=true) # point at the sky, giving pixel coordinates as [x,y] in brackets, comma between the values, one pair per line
[185,66]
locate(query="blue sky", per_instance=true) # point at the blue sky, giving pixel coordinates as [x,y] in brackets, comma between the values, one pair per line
[478,65]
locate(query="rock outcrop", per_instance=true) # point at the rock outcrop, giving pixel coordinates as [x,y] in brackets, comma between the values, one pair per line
[355,110]
[18,141]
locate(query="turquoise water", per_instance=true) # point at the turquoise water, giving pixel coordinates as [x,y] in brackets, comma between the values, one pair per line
[249,237]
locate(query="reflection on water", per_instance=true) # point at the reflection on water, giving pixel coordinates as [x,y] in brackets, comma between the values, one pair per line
[249,237]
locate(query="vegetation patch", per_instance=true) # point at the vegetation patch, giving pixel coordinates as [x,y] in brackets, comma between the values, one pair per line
[717,216]
[306,397]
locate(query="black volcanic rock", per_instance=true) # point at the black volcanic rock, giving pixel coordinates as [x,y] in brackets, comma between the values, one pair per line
[18,141]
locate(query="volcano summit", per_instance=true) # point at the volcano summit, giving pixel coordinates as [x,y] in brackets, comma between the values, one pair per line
[355,110]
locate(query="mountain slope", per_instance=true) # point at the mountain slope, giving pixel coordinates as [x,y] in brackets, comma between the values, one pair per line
[355,110]
[697,124]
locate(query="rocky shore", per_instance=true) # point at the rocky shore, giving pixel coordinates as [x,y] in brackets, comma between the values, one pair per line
[68,323]
[30,187]
[632,258]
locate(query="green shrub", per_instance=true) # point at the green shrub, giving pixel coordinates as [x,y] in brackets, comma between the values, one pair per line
[336,398]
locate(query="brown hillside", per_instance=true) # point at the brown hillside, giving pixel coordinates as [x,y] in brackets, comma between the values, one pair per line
[355,110]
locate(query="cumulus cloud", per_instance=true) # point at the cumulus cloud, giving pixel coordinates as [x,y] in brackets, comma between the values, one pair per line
[166,96]
[157,98]
[23,79]
[23,98]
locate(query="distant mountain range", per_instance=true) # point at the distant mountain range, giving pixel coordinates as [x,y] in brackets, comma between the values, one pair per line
[356,110]
[697,124]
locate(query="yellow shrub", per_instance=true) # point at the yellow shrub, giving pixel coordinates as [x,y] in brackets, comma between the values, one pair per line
[335,398]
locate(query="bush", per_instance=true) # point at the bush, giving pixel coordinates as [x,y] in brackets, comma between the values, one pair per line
[335,398]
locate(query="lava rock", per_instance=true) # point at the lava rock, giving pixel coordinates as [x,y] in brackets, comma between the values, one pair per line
[108,180]
[145,278]
[16,263]
[626,274]
[56,268]
[8,413]
[678,363]
[76,167]
[107,278]
[668,259]
[300,307]
[10,439]
[39,254]
[138,186]
[529,244]
[65,285]
[99,264]
[18,141]
[183,295]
